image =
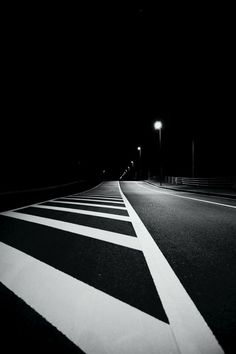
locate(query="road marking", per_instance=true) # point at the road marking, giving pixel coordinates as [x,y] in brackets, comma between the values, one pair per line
[90,318]
[206,193]
[85,212]
[93,200]
[86,231]
[192,334]
[185,197]
[89,204]
[99,195]
[102,196]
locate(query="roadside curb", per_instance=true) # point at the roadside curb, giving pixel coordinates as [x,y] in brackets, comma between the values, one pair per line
[196,192]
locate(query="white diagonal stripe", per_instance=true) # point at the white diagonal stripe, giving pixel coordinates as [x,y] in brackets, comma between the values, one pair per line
[89,204]
[97,196]
[93,200]
[102,235]
[85,212]
[91,319]
[192,334]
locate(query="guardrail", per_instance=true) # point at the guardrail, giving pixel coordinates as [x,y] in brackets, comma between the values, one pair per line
[215,182]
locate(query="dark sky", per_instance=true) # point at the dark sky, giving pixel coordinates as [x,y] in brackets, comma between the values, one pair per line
[82,87]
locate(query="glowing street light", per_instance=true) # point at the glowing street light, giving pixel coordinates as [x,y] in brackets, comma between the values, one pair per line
[140,161]
[158,126]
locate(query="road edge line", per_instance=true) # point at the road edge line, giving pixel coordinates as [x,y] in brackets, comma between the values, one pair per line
[190,330]
[186,197]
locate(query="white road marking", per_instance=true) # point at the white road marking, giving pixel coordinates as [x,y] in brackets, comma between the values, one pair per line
[94,321]
[104,196]
[93,200]
[89,204]
[86,231]
[192,334]
[85,212]
[185,197]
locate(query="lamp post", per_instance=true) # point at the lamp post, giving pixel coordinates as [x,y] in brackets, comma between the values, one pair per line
[139,149]
[140,160]
[158,126]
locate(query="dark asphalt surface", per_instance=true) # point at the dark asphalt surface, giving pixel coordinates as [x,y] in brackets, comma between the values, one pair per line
[119,271]
[199,241]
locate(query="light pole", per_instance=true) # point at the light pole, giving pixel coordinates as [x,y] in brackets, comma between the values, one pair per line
[140,160]
[139,149]
[158,126]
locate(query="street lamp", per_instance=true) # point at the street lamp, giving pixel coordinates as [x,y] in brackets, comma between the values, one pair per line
[140,160]
[158,126]
[139,149]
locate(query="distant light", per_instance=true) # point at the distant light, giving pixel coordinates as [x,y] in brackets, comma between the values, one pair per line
[158,125]
[139,147]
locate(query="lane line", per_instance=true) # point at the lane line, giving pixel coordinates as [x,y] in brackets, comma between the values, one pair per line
[185,197]
[93,200]
[85,212]
[192,334]
[206,194]
[86,231]
[89,204]
[93,320]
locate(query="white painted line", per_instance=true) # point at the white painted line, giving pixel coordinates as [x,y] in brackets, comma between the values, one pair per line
[99,196]
[90,204]
[185,197]
[204,194]
[85,212]
[86,231]
[192,334]
[91,319]
[92,200]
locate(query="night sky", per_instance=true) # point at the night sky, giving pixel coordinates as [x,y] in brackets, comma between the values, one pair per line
[83,86]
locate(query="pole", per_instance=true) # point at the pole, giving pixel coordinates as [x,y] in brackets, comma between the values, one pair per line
[160,157]
[140,164]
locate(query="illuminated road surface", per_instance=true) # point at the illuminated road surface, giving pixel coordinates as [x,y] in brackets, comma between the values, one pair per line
[122,268]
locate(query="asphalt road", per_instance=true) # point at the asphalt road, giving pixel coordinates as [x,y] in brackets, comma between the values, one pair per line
[199,241]
[121,268]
